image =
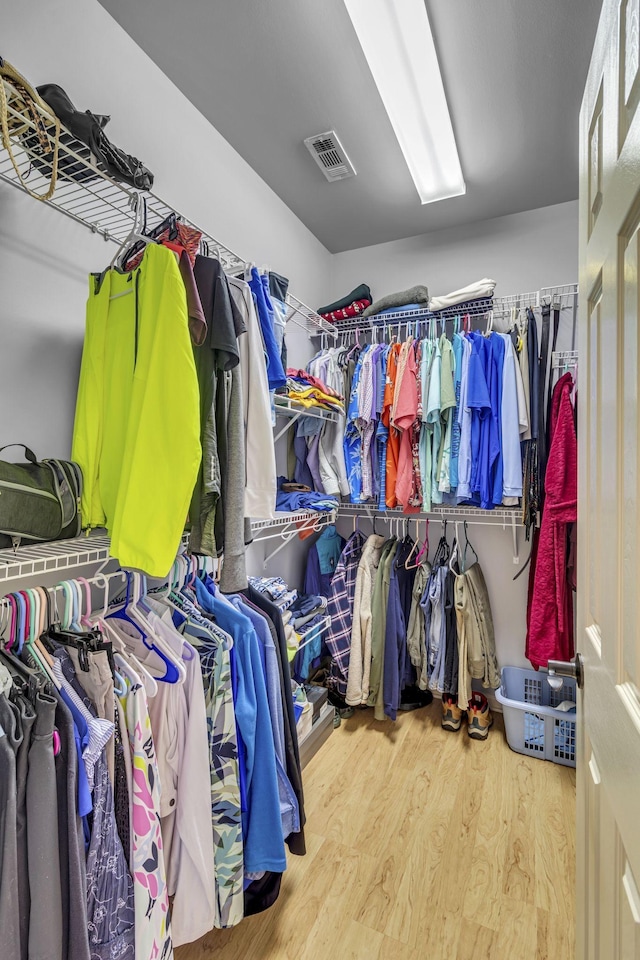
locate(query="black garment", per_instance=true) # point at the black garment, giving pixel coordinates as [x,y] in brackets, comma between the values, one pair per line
[542,383]
[218,354]
[9,904]
[534,359]
[278,286]
[121,791]
[17,717]
[45,919]
[295,841]
[360,293]
[451,634]
[73,876]
[406,578]
[262,894]
[224,321]
[549,392]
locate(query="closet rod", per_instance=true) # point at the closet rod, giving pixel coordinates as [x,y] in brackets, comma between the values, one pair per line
[508,519]
[104,205]
[498,517]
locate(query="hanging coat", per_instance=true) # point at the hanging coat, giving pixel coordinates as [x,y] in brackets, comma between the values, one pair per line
[550,615]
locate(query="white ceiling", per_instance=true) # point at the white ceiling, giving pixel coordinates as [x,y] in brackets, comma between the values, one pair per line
[269,74]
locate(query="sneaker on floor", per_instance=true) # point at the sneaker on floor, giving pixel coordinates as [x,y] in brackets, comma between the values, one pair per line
[451,714]
[479,717]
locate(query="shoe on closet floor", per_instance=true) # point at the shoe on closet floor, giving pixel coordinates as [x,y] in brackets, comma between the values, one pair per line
[479,717]
[451,714]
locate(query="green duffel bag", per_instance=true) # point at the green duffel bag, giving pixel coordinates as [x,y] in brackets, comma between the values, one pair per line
[39,501]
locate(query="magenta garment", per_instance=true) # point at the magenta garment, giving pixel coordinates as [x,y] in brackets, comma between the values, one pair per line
[550,616]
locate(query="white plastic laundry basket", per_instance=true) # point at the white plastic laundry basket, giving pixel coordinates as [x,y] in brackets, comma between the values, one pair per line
[532,724]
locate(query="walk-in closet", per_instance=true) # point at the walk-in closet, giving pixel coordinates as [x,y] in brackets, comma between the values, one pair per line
[319,474]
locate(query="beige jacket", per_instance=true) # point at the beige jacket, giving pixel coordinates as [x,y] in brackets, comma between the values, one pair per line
[476,639]
[360,657]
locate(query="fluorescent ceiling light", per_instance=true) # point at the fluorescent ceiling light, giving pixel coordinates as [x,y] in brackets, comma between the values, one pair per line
[396,38]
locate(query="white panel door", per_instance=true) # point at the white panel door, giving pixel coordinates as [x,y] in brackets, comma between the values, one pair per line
[608,838]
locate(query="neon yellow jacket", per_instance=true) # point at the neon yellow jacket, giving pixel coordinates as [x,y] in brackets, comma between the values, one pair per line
[137,427]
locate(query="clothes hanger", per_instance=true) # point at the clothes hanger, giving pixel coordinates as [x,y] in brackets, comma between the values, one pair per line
[21,621]
[136,235]
[417,546]
[455,549]
[121,654]
[41,657]
[119,686]
[142,611]
[489,326]
[356,345]
[466,545]
[128,615]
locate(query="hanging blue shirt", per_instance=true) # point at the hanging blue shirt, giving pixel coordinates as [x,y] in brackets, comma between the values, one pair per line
[275,370]
[322,561]
[352,440]
[262,827]
[479,402]
[394,641]
[495,443]
[455,432]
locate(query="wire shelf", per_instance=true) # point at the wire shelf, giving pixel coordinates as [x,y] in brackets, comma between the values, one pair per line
[479,308]
[312,321]
[281,522]
[50,557]
[561,296]
[105,206]
[564,359]
[502,516]
[288,407]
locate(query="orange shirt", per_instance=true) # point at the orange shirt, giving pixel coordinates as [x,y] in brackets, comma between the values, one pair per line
[405,414]
[393,443]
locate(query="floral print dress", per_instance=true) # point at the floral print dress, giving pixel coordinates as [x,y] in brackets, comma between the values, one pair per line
[152,921]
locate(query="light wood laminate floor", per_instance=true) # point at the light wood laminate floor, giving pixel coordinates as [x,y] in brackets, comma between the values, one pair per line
[421,844]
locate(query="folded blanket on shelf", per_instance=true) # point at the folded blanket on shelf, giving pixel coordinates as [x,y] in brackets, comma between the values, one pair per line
[475,291]
[417,294]
[353,310]
[360,293]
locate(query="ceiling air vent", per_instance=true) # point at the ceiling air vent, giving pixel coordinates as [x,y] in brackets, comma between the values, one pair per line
[330,155]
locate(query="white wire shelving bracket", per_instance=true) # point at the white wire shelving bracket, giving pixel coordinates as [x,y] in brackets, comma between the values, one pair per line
[292,410]
[50,557]
[317,630]
[107,207]
[564,359]
[509,518]
[286,526]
